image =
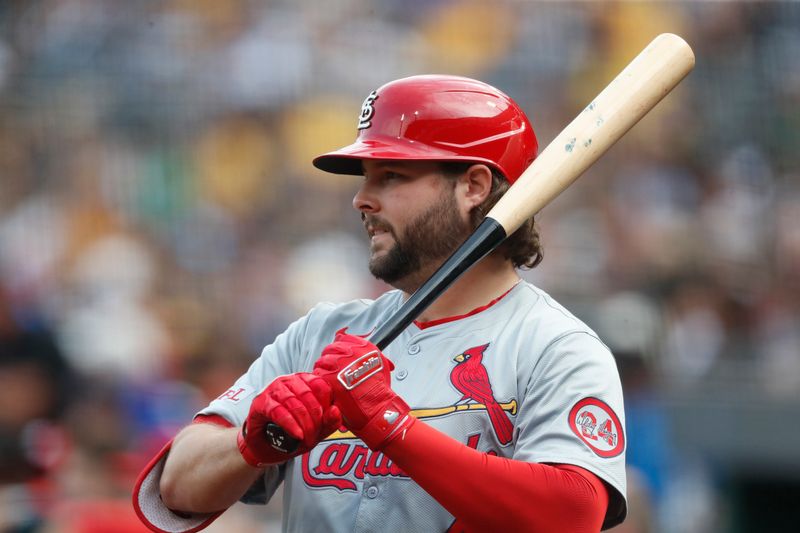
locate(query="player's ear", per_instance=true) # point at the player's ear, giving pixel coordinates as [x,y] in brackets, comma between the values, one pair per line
[475,184]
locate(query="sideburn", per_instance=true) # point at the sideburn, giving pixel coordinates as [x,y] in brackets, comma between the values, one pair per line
[437,232]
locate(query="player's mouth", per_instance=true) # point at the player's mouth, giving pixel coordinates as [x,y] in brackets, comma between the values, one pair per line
[380,239]
[377,230]
[375,233]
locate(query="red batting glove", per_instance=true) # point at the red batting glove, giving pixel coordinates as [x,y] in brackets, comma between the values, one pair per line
[299,403]
[359,376]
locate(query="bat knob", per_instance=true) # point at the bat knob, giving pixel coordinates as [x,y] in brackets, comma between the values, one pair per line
[279,439]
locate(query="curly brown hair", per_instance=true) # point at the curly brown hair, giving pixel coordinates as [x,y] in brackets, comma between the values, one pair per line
[523,247]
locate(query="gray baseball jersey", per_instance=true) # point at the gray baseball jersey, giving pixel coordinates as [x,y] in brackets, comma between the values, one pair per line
[552,395]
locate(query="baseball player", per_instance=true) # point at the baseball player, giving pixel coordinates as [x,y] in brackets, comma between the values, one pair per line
[497,410]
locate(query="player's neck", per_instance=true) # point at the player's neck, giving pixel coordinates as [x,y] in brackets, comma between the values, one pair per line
[484,282]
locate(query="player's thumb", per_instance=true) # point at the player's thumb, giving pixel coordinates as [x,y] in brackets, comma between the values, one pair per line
[331,421]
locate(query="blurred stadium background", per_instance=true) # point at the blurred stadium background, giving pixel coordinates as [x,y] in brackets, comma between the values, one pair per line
[160,221]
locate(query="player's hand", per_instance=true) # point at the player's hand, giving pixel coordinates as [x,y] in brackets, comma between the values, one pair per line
[359,375]
[299,403]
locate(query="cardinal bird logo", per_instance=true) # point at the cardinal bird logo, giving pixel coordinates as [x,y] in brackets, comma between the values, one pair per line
[469,376]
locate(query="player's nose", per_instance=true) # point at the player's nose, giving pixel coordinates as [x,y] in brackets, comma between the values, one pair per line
[365,199]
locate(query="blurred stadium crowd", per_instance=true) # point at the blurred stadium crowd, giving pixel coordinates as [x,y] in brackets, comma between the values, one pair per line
[160,220]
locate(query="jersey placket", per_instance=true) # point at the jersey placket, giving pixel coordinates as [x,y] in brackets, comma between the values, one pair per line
[372,507]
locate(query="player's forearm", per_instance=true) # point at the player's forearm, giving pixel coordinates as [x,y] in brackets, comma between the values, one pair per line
[204,471]
[489,493]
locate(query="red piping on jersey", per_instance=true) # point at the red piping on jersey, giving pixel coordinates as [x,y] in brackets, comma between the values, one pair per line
[422,325]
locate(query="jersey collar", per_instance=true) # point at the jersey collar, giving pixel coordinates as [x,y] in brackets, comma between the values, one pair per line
[424,325]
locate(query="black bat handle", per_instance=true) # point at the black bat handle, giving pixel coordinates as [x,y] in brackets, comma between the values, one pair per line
[279,439]
[483,240]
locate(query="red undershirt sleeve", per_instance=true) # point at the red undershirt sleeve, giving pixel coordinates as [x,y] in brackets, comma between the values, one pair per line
[489,493]
[212,419]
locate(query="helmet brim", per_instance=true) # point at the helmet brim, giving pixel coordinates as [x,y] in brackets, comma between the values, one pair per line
[347,160]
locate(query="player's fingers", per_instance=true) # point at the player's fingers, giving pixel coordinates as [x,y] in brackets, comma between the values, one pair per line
[331,421]
[286,420]
[319,388]
[275,392]
[304,393]
[285,408]
[325,364]
[305,409]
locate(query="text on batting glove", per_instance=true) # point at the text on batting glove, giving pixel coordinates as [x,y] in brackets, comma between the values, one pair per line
[360,377]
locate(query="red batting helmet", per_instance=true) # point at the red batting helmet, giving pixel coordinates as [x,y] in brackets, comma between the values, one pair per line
[438,118]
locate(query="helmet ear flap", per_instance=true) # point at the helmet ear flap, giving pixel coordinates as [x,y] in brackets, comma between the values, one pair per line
[438,118]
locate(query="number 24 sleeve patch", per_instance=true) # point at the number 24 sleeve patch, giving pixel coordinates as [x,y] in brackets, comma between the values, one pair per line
[598,426]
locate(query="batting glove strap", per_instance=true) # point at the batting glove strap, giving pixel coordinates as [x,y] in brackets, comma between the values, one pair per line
[386,425]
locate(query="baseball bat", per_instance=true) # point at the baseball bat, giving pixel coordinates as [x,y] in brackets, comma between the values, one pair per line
[648,78]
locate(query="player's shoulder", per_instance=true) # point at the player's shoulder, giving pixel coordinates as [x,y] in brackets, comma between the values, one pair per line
[355,313]
[546,318]
[562,341]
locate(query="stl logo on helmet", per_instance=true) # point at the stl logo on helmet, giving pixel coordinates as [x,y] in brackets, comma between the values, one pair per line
[367,110]
[598,426]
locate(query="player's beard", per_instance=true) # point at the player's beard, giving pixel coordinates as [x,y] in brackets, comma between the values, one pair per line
[423,246]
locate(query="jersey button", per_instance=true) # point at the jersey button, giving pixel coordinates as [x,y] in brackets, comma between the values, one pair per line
[413,349]
[402,373]
[372,492]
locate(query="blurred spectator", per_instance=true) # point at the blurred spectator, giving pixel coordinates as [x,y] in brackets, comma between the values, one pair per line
[35,387]
[109,330]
